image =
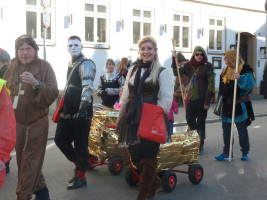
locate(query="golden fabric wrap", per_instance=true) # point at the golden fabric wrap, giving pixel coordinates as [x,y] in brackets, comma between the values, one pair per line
[182,150]
[103,141]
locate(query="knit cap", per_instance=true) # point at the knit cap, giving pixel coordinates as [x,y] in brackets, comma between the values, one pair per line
[180,57]
[4,56]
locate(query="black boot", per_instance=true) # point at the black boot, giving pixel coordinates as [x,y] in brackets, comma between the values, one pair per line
[77,183]
[202,136]
[201,147]
[42,194]
[75,174]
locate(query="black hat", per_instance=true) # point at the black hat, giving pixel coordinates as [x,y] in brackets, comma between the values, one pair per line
[181,57]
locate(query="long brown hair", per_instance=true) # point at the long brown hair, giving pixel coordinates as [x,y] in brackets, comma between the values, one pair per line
[123,64]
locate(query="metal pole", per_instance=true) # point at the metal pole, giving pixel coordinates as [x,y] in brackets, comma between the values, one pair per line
[44,43]
[234,99]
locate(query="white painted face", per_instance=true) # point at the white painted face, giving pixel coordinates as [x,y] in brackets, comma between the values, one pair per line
[74,47]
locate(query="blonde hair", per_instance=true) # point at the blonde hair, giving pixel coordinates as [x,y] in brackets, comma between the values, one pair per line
[123,64]
[157,64]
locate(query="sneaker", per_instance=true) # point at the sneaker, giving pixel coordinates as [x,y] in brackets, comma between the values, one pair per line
[244,156]
[223,156]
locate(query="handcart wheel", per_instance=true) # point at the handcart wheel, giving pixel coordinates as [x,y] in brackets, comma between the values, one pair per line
[169,181]
[92,160]
[131,178]
[115,165]
[196,173]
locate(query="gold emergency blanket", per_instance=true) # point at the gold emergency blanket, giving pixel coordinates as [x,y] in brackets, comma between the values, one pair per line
[182,150]
[103,141]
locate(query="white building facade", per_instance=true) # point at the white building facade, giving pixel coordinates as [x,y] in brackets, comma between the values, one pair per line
[111,29]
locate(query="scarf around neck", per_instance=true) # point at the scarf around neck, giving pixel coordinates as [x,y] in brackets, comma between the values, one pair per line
[133,118]
[229,71]
[193,62]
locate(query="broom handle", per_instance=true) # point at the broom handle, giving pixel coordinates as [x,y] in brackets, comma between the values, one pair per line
[234,100]
[179,77]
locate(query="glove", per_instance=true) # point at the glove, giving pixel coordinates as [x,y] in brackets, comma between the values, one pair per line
[85,111]
[103,94]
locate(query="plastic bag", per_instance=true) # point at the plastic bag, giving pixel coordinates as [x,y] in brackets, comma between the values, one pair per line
[152,123]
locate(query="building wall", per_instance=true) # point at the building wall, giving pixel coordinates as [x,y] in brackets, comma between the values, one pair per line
[13,23]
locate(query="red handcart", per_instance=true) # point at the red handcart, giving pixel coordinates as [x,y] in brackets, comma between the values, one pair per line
[103,141]
[183,150]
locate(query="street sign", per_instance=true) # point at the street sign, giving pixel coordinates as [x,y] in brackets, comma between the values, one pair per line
[46,3]
[46,18]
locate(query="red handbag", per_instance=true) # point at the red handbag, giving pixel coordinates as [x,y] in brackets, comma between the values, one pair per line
[152,123]
[57,113]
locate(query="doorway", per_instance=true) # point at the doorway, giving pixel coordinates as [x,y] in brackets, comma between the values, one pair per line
[248,51]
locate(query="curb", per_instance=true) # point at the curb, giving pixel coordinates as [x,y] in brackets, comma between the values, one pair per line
[209,121]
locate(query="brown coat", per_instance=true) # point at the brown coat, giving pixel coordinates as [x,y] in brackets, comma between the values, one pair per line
[32,106]
[32,122]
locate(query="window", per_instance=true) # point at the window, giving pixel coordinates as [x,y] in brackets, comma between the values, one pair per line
[34,20]
[216,34]
[142,23]
[96,23]
[182,31]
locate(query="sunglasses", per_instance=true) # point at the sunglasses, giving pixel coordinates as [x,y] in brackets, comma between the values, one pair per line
[199,54]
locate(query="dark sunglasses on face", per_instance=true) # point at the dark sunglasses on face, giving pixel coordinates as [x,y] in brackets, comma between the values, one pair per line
[199,54]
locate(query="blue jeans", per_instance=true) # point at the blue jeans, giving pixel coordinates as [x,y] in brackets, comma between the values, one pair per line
[171,126]
[243,136]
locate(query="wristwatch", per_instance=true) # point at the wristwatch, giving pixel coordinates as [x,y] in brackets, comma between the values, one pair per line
[36,87]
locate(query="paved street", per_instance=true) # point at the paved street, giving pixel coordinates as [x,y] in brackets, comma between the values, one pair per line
[238,179]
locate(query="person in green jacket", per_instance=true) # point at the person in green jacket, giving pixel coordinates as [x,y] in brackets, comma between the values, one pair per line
[201,77]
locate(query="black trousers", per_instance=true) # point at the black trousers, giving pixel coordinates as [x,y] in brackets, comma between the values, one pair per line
[144,150]
[196,117]
[71,131]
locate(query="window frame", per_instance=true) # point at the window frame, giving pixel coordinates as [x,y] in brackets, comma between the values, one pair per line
[216,28]
[142,20]
[182,24]
[96,15]
[39,9]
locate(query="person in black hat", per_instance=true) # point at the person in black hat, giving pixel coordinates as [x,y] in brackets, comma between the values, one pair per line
[181,61]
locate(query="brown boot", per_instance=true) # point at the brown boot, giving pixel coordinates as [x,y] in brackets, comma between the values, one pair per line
[155,186]
[147,177]
[141,197]
[139,166]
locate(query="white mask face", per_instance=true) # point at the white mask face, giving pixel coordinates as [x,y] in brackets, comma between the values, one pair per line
[74,47]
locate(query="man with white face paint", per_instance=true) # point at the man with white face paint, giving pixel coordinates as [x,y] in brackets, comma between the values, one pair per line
[75,116]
